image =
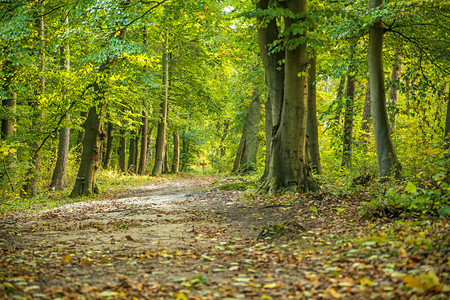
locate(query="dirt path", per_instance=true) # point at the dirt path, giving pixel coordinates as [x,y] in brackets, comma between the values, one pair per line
[173,240]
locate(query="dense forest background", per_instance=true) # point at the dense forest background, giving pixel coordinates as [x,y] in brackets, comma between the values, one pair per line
[119,88]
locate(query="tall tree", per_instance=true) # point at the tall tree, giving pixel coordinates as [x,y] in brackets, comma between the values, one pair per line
[289,165]
[31,185]
[248,147]
[312,130]
[393,91]
[348,120]
[59,172]
[176,152]
[162,122]
[387,158]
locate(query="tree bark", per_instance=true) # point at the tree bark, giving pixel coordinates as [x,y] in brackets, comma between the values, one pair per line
[144,139]
[312,129]
[268,133]
[289,165]
[348,121]
[59,172]
[176,152]
[109,145]
[162,123]
[85,183]
[393,91]
[31,185]
[132,153]
[274,71]
[366,115]
[387,158]
[123,151]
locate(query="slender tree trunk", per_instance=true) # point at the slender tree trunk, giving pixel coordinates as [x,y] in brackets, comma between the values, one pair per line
[387,158]
[393,91]
[176,152]
[166,168]
[31,185]
[348,122]
[240,150]
[447,124]
[339,96]
[123,151]
[162,123]
[289,165]
[132,153]
[312,129]
[268,133]
[144,139]
[59,172]
[366,114]
[109,145]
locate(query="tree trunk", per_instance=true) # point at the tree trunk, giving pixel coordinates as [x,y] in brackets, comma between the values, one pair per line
[162,123]
[289,165]
[85,183]
[240,150]
[132,153]
[226,127]
[312,129]
[59,172]
[447,124]
[348,121]
[339,96]
[123,151]
[268,133]
[393,91]
[109,145]
[166,168]
[31,185]
[387,159]
[366,114]
[176,152]
[274,71]
[144,139]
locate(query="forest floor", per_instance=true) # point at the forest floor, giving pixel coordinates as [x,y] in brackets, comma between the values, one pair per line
[189,239]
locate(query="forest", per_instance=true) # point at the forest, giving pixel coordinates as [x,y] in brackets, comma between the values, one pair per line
[284,103]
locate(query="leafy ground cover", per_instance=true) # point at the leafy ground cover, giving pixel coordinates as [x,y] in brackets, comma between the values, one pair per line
[188,239]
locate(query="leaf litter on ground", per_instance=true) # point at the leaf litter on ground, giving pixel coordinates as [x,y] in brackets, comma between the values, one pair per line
[199,246]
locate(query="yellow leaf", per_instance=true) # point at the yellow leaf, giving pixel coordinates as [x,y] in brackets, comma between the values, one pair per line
[402,252]
[333,293]
[430,280]
[413,282]
[271,285]
[66,258]
[366,281]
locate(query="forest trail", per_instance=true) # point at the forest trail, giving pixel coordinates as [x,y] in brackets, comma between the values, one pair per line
[187,239]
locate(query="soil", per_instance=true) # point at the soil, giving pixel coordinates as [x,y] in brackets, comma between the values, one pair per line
[188,239]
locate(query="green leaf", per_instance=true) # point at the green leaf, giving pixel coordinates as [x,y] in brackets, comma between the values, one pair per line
[410,188]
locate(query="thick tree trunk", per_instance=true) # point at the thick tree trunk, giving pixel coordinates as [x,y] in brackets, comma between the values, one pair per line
[123,151]
[393,91]
[176,152]
[85,183]
[387,158]
[109,145]
[274,69]
[348,122]
[144,139]
[289,166]
[162,123]
[312,129]
[248,147]
[59,172]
